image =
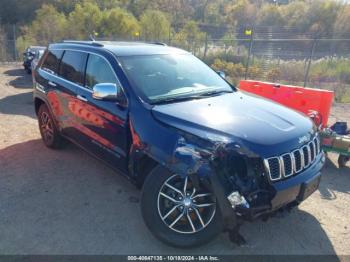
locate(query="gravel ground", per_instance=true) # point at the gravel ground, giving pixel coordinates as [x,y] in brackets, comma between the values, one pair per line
[66,202]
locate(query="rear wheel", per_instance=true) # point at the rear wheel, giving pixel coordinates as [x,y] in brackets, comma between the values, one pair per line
[178,213]
[49,133]
[342,160]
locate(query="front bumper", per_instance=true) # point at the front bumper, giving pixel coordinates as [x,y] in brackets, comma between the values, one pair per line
[288,192]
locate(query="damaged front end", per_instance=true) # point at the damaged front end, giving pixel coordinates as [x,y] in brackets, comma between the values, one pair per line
[235,174]
[239,180]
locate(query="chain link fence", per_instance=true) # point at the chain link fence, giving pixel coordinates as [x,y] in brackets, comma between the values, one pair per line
[8,50]
[279,55]
[274,54]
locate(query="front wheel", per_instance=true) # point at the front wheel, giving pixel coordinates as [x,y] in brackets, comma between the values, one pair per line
[176,212]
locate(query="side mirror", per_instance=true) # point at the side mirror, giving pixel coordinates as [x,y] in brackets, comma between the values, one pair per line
[222,74]
[105,91]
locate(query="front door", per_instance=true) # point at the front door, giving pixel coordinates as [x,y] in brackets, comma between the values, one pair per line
[102,124]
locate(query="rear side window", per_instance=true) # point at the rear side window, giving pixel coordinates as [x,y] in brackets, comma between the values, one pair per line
[52,61]
[98,71]
[73,66]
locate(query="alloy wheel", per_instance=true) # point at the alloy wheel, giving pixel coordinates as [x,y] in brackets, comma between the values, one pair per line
[46,127]
[184,208]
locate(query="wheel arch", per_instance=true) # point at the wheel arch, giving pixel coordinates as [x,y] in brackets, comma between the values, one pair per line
[140,166]
[37,103]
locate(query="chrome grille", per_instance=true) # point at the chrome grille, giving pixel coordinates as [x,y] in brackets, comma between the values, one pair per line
[312,151]
[298,166]
[275,168]
[306,153]
[288,164]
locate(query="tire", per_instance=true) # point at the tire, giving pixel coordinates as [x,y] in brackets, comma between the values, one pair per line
[182,234]
[48,130]
[342,160]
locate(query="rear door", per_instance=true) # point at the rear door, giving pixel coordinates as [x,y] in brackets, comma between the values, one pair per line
[55,89]
[102,124]
[71,77]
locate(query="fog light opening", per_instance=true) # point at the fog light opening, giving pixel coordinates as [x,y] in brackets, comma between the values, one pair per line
[236,199]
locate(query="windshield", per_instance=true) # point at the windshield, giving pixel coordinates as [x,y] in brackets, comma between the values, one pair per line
[171,77]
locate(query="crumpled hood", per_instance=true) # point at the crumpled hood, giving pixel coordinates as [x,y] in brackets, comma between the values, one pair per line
[264,127]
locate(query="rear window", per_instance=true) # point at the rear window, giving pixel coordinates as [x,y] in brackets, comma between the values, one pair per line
[73,66]
[52,61]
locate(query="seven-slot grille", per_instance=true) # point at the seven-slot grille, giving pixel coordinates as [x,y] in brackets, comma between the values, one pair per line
[286,165]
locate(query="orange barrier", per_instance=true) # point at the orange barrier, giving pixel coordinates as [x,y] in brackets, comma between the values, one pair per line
[302,99]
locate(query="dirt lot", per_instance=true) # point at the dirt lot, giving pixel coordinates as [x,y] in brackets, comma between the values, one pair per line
[66,202]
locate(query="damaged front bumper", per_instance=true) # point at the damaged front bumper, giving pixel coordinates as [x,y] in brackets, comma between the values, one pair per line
[288,193]
[240,181]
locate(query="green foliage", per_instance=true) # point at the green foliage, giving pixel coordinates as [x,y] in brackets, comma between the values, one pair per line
[118,23]
[190,37]
[84,20]
[342,24]
[331,71]
[227,55]
[155,26]
[183,23]
[49,26]
[234,72]
[241,13]
[269,15]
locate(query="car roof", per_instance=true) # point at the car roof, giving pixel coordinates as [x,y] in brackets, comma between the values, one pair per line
[122,48]
[36,47]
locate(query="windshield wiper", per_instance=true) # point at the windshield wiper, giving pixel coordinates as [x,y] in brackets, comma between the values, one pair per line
[215,92]
[175,99]
[190,97]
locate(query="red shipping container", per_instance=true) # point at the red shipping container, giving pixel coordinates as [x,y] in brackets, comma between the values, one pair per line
[305,100]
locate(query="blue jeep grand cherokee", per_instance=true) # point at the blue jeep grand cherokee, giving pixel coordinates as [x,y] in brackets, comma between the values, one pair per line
[206,155]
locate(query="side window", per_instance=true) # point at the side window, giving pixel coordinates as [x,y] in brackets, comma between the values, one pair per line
[52,61]
[98,71]
[73,66]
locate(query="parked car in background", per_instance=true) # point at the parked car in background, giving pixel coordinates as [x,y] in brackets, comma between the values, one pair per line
[206,155]
[29,55]
[38,54]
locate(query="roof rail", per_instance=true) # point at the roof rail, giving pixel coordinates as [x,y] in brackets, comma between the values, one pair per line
[93,43]
[159,43]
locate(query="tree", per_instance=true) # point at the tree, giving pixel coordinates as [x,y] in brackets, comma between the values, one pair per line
[342,23]
[270,15]
[3,44]
[19,11]
[342,29]
[322,15]
[155,26]
[84,20]
[49,26]
[295,15]
[118,23]
[240,13]
[190,37]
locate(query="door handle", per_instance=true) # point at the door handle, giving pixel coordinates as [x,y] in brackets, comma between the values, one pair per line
[82,98]
[52,84]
